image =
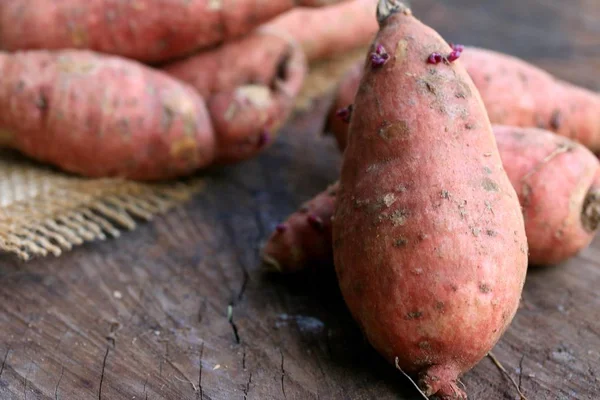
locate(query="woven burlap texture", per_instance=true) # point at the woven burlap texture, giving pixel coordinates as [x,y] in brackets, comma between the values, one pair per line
[46,212]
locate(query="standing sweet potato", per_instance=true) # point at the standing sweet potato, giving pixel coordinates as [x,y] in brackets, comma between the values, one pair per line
[514,92]
[421,185]
[145,30]
[99,115]
[557,181]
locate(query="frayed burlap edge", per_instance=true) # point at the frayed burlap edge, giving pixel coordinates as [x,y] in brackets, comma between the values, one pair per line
[46,212]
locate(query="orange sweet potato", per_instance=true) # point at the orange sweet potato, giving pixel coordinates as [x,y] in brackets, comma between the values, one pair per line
[145,30]
[99,115]
[557,181]
[250,86]
[328,31]
[535,98]
[421,183]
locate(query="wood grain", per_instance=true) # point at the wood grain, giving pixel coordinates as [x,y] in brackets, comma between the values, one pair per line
[180,308]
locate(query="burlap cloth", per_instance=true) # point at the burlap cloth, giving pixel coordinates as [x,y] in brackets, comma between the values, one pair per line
[44,211]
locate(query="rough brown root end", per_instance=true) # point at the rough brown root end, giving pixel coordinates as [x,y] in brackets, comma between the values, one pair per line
[590,214]
[270,264]
[386,8]
[441,381]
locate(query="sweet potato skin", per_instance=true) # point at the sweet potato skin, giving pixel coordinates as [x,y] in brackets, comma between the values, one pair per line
[558,183]
[250,97]
[328,31]
[304,238]
[144,30]
[99,115]
[421,185]
[535,99]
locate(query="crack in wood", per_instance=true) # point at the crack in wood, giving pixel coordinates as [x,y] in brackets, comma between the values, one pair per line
[282,375]
[4,361]
[145,393]
[201,391]
[247,388]
[102,374]
[232,323]
[62,371]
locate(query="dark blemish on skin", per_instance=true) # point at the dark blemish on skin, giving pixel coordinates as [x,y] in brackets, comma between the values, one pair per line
[469,126]
[439,305]
[489,185]
[454,288]
[414,315]
[445,194]
[42,102]
[422,236]
[484,288]
[394,130]
[556,120]
[491,233]
[20,86]
[487,78]
[400,242]
[487,170]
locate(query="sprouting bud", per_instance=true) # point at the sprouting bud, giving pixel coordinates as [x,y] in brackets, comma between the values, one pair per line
[435,58]
[264,138]
[457,47]
[379,56]
[345,113]
[281,228]
[453,56]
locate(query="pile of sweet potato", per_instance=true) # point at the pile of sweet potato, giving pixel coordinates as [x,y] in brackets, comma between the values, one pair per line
[127,89]
[461,167]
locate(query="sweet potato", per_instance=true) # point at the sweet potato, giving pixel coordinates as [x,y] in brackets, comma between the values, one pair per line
[305,237]
[557,181]
[421,185]
[144,30]
[328,31]
[535,99]
[98,115]
[250,86]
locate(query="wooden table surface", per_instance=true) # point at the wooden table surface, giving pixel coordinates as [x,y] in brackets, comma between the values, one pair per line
[147,316]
